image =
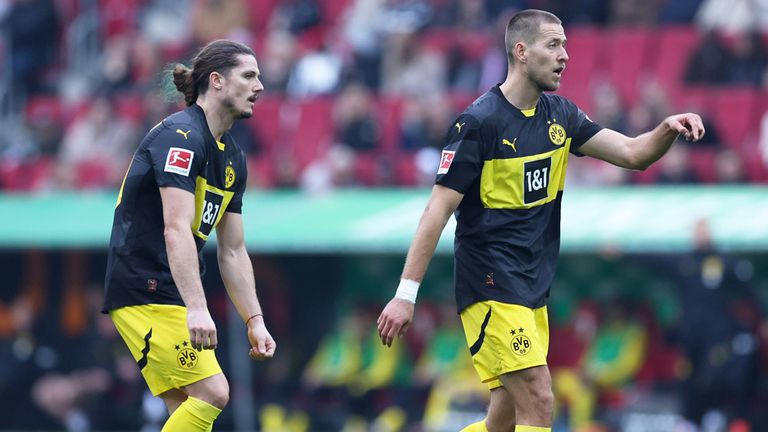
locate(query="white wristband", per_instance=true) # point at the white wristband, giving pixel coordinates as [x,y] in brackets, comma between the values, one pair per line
[407,290]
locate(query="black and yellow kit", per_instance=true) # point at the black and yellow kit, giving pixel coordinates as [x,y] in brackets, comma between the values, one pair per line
[510,166]
[179,152]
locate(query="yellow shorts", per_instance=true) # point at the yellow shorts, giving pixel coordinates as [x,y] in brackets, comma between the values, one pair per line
[505,338]
[158,338]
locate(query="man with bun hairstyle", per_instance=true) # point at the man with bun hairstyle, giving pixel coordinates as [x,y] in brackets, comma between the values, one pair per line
[186,179]
[502,174]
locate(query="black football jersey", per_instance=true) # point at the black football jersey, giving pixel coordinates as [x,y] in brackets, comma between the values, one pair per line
[510,166]
[178,152]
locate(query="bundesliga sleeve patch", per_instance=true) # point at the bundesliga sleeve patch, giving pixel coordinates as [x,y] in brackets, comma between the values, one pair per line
[179,161]
[445,161]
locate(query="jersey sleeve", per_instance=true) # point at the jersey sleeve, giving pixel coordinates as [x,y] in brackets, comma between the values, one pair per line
[583,126]
[461,161]
[177,157]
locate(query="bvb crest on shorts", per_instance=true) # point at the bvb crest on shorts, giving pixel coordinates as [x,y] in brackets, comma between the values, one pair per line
[186,357]
[520,344]
[556,133]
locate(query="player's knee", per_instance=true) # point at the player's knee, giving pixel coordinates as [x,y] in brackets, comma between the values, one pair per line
[218,394]
[219,398]
[543,397]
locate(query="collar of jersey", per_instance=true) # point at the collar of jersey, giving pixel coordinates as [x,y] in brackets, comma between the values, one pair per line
[509,107]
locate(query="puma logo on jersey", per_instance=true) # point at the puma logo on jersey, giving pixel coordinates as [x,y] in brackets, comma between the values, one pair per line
[183,133]
[458,126]
[511,144]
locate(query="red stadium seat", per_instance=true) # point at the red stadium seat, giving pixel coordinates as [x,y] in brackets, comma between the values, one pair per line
[629,56]
[405,170]
[388,112]
[261,172]
[260,14]
[583,48]
[735,113]
[333,10]
[43,107]
[313,132]
[266,121]
[674,48]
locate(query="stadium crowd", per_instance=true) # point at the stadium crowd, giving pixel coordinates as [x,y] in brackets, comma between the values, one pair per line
[360,93]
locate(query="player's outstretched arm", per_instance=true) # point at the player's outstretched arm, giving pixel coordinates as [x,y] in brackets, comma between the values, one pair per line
[237,273]
[642,151]
[178,213]
[398,314]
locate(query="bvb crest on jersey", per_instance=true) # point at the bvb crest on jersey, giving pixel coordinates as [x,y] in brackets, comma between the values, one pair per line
[229,177]
[556,133]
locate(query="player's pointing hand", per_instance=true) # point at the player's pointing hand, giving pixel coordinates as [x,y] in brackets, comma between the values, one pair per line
[688,125]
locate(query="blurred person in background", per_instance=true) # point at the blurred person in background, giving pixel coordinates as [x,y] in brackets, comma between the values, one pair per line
[32,28]
[502,172]
[187,178]
[95,148]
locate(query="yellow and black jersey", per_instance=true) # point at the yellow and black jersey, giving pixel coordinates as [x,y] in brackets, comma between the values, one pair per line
[510,165]
[179,152]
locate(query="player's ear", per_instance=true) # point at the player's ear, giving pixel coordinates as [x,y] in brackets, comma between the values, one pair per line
[520,51]
[215,80]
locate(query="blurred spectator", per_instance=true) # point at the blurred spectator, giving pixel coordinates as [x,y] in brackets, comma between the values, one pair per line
[574,327]
[410,68]
[32,28]
[607,107]
[94,382]
[749,60]
[219,19]
[678,11]
[315,73]
[116,65]
[638,13]
[277,61]
[721,351]
[424,122]
[733,16]
[363,31]
[650,110]
[334,169]
[676,168]
[494,60]
[296,16]
[95,148]
[461,14]
[356,124]
[709,63]
[618,349]
[729,167]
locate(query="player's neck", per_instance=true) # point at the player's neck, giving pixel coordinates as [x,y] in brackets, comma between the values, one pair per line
[218,121]
[520,92]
